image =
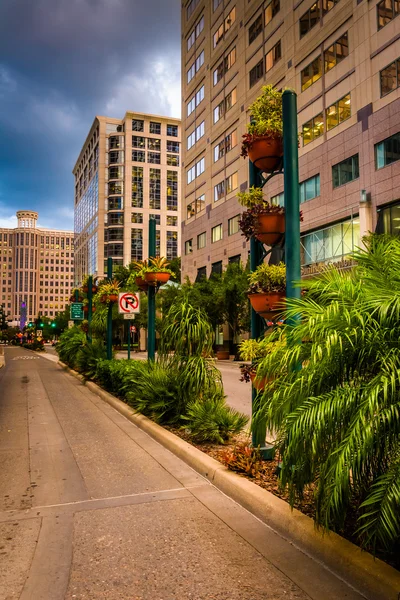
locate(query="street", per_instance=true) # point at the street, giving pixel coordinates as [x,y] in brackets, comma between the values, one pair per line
[93,508]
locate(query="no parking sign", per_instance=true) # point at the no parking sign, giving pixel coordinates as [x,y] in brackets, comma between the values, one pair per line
[128,303]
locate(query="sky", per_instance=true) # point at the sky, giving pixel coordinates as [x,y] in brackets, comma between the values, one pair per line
[61,63]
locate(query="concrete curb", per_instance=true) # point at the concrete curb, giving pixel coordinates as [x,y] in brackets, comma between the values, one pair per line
[373,578]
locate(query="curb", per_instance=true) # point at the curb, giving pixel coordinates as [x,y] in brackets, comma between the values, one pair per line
[372,577]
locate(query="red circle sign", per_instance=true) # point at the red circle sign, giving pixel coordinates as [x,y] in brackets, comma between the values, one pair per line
[128,302]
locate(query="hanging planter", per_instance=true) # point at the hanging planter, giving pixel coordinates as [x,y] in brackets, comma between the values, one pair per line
[267,304]
[157,272]
[266,152]
[85,309]
[113,297]
[270,228]
[258,384]
[156,278]
[142,285]
[261,220]
[267,289]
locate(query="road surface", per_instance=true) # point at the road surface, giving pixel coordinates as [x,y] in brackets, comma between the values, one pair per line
[93,508]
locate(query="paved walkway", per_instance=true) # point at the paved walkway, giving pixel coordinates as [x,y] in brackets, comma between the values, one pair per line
[93,508]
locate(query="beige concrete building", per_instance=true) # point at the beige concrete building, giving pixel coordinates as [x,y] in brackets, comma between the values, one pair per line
[127,171]
[37,269]
[342,57]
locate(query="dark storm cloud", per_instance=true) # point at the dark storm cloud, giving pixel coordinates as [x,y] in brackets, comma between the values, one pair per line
[61,63]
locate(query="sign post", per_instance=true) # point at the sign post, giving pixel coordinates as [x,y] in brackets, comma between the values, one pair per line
[129,305]
[76,311]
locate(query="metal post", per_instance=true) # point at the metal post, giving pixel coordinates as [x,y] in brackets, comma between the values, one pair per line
[257,324]
[109,315]
[90,308]
[129,339]
[151,298]
[76,300]
[292,196]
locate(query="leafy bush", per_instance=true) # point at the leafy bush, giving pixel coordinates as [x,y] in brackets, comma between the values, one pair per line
[243,459]
[88,356]
[211,420]
[35,345]
[69,344]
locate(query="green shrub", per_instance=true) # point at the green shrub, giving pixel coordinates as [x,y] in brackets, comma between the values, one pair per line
[212,420]
[69,344]
[88,356]
[34,345]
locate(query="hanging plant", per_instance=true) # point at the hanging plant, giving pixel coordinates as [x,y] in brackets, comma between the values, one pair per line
[157,271]
[267,289]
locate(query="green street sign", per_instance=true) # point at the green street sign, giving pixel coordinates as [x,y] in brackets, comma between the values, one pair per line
[76,312]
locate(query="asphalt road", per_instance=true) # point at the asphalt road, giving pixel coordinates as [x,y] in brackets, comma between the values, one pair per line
[93,508]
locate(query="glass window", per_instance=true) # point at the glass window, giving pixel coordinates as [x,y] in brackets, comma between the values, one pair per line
[255,28]
[137,187]
[337,52]
[225,105]
[216,233]
[327,5]
[273,56]
[338,112]
[172,245]
[138,141]
[137,125]
[137,244]
[190,210]
[172,190]
[313,129]
[345,171]
[224,27]
[218,35]
[278,200]
[390,219]
[390,77]
[172,160]
[219,191]
[256,73]
[189,246]
[137,218]
[200,203]
[225,145]
[156,218]
[387,151]
[191,7]
[224,66]
[194,34]
[233,225]
[154,157]
[155,128]
[201,240]
[195,170]
[115,219]
[271,10]
[310,188]
[138,156]
[172,130]
[195,100]
[155,188]
[311,73]
[310,18]
[172,220]
[216,3]
[231,182]
[387,10]
[331,243]
[154,144]
[172,146]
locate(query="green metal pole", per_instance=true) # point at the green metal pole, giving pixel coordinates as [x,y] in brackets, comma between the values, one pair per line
[90,308]
[257,324]
[109,315]
[129,339]
[76,300]
[292,196]
[151,298]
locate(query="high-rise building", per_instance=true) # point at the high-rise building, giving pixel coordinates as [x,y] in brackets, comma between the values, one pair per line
[37,269]
[342,57]
[128,171]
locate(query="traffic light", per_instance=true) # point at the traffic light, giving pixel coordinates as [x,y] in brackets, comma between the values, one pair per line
[54,324]
[30,324]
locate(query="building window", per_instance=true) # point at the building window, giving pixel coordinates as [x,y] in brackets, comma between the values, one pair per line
[233,225]
[156,218]
[216,3]
[310,18]
[137,218]
[309,189]
[196,135]
[201,240]
[278,200]
[137,125]
[138,156]
[224,66]
[255,29]
[172,130]
[337,52]
[189,246]
[191,7]
[390,77]
[256,73]
[137,187]
[155,128]
[172,245]
[154,157]
[331,243]
[272,57]
[195,66]
[231,182]
[387,10]
[172,220]
[345,171]
[190,210]
[225,187]
[389,220]
[137,244]
[172,190]
[138,141]
[224,27]
[195,100]
[387,151]
[196,170]
[313,129]
[194,34]
[311,73]
[172,146]
[216,233]
[225,105]
[172,160]
[271,10]
[155,188]
[154,144]
[338,112]
[229,142]
[327,5]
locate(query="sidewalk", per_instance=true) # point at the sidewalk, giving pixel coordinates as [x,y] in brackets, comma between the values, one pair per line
[93,508]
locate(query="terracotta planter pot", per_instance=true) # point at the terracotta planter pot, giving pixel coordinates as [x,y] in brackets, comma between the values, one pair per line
[85,289]
[113,297]
[103,299]
[258,384]
[222,354]
[85,309]
[156,278]
[270,228]
[266,153]
[140,282]
[266,304]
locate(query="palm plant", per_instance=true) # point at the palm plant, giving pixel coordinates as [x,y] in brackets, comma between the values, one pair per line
[338,418]
[69,344]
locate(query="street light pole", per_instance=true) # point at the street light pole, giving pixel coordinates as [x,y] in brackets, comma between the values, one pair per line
[151,297]
[90,307]
[109,314]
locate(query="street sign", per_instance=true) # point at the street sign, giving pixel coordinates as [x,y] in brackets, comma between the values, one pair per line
[129,316]
[128,303]
[76,312]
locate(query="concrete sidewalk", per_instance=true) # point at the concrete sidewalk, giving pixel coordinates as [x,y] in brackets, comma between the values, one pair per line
[93,508]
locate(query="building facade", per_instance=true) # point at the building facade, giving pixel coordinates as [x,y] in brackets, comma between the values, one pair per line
[128,171]
[342,57]
[37,269]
